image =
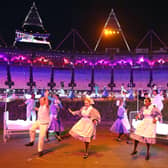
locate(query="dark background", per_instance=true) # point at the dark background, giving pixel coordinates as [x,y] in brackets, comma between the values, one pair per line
[88,17]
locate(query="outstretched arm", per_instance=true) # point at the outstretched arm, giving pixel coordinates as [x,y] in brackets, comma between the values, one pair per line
[77,112]
[20,105]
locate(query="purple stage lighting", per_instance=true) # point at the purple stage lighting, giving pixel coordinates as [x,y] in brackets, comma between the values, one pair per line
[4,58]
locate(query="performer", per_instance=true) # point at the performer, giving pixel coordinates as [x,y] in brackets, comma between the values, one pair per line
[123,94]
[96,91]
[105,92]
[85,128]
[144,95]
[30,108]
[157,99]
[71,94]
[145,131]
[55,121]
[41,123]
[121,125]
[130,93]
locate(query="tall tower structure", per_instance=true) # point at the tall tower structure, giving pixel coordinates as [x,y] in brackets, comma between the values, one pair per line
[32,33]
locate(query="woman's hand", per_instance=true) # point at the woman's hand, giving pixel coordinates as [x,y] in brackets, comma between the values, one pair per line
[36,108]
[137,117]
[95,122]
[154,120]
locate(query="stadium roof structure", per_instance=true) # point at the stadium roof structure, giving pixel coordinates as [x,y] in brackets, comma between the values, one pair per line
[112,22]
[33,18]
[149,37]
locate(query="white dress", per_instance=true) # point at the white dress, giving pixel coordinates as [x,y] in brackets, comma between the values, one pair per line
[85,129]
[126,121]
[158,101]
[146,130]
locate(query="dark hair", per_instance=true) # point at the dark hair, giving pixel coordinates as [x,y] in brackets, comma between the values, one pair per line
[156,91]
[149,99]
[145,94]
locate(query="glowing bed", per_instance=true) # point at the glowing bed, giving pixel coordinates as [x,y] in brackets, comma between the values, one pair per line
[11,127]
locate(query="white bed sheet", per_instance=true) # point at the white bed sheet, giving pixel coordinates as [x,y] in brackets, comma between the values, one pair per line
[18,124]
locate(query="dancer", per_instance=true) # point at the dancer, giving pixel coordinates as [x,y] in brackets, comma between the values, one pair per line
[30,108]
[123,94]
[85,128]
[121,126]
[130,93]
[105,92]
[157,99]
[145,131]
[145,95]
[41,123]
[55,121]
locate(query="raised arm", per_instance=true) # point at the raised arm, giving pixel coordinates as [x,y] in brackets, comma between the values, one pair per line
[46,97]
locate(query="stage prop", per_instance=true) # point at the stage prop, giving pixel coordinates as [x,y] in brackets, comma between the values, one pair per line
[13,127]
[36,38]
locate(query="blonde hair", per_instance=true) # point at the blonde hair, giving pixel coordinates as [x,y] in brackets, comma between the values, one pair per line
[90,100]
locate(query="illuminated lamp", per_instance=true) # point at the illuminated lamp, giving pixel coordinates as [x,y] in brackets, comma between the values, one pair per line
[29,61]
[4,58]
[161,61]
[141,59]
[151,63]
[66,61]
[109,32]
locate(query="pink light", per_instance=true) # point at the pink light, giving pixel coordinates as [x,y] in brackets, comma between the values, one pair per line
[151,63]
[66,61]
[4,58]
[78,62]
[19,58]
[106,62]
[84,61]
[122,62]
[141,59]
[51,63]
[91,64]
[161,61]
[43,60]
[101,61]
[130,62]
[29,62]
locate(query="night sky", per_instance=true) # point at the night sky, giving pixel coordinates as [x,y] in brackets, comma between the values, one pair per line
[88,17]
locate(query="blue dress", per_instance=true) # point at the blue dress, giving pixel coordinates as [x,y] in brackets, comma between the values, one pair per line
[55,121]
[121,125]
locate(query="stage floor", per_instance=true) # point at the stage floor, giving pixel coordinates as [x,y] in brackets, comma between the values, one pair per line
[105,152]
